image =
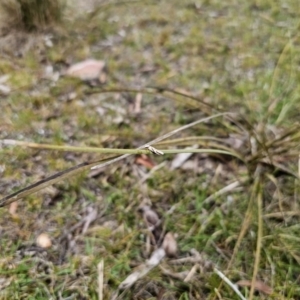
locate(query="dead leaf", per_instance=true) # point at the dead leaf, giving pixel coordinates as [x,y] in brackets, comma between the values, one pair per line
[13,208]
[179,159]
[88,70]
[170,245]
[145,161]
[150,216]
[152,221]
[258,285]
[4,89]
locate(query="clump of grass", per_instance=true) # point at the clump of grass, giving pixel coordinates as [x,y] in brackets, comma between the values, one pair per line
[32,15]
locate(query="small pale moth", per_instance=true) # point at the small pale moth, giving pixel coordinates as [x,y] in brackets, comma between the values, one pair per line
[153,150]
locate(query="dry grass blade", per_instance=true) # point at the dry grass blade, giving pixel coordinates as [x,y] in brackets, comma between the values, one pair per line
[208,264]
[149,149]
[205,141]
[191,273]
[71,148]
[222,191]
[155,90]
[100,279]
[190,139]
[277,192]
[231,284]
[165,136]
[89,165]
[162,89]
[37,186]
[269,153]
[282,140]
[279,167]
[156,257]
[243,231]
[257,188]
[282,214]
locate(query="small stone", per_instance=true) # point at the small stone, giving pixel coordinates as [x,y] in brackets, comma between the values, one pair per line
[44,241]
